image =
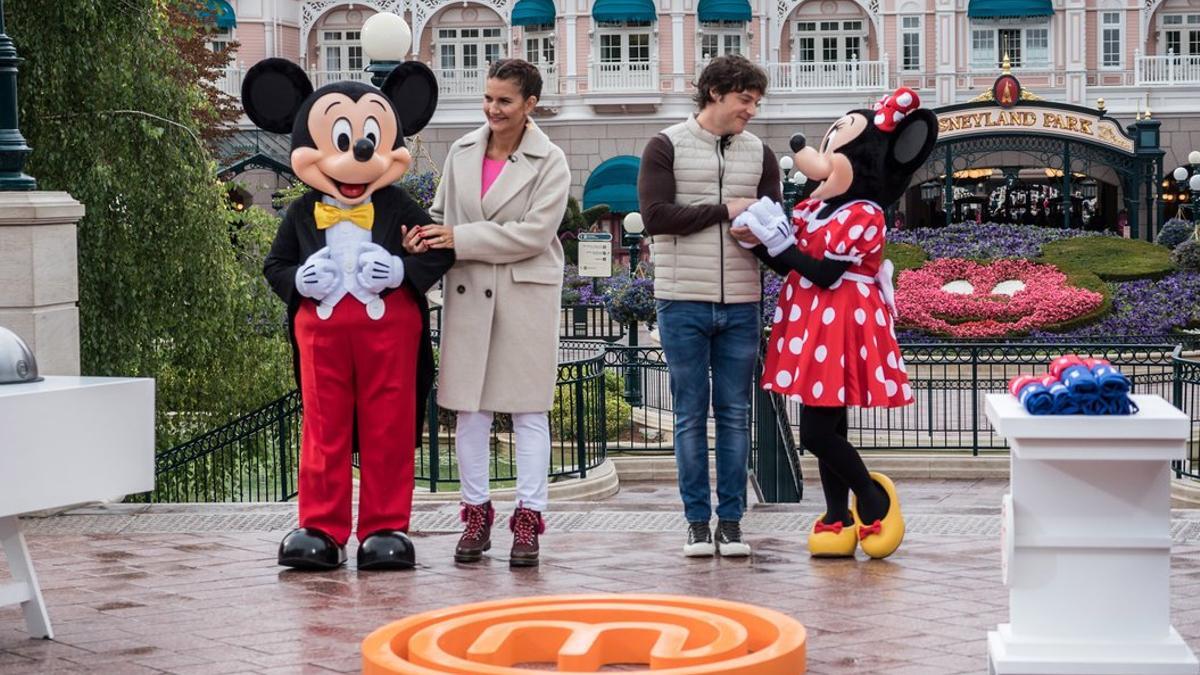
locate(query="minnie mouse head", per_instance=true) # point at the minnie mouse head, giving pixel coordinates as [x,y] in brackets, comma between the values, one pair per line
[347,137]
[870,154]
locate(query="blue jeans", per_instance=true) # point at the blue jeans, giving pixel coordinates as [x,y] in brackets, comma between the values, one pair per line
[697,336]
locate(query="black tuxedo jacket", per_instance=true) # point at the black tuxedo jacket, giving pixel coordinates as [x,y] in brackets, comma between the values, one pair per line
[298,238]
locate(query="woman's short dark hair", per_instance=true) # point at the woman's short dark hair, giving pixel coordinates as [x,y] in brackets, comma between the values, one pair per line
[732,72]
[524,73]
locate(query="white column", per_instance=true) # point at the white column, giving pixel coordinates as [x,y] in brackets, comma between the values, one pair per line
[1075,53]
[1086,542]
[764,37]
[572,70]
[677,51]
[947,48]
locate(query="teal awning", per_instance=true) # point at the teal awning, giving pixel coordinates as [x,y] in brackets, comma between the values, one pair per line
[219,12]
[533,12]
[990,9]
[624,10]
[724,10]
[614,183]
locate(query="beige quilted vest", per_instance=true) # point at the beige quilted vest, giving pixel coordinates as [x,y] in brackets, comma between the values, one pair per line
[709,265]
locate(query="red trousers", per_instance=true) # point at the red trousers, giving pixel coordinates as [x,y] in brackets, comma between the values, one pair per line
[354,367]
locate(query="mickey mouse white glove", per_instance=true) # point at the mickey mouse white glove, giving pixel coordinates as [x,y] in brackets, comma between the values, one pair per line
[771,226]
[744,219]
[318,276]
[377,269]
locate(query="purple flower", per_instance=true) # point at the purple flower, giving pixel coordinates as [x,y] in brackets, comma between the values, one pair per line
[989,240]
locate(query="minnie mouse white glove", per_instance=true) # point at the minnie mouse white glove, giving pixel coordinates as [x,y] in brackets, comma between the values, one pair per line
[318,276]
[771,226]
[378,270]
[744,219]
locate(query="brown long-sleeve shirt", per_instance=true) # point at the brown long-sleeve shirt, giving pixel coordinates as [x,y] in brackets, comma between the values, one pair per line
[656,192]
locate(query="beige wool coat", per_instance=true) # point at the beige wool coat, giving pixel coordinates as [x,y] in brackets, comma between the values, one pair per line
[499,340]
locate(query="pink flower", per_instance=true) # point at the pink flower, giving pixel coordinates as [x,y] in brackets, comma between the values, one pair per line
[1046,299]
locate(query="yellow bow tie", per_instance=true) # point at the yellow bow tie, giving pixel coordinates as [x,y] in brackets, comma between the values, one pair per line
[327,216]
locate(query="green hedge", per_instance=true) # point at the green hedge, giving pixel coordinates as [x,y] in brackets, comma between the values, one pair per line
[1110,258]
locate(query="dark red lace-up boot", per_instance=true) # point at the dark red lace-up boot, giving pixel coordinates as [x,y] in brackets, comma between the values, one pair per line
[526,525]
[477,537]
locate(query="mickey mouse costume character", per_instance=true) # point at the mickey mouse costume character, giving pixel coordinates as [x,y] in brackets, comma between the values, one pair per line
[357,315]
[833,341]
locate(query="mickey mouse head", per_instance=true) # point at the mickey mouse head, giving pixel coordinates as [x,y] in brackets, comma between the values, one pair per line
[347,137]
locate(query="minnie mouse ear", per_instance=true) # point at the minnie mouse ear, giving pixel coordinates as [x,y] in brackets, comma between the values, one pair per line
[272,93]
[413,91]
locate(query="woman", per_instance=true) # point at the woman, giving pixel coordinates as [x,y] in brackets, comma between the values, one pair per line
[504,191]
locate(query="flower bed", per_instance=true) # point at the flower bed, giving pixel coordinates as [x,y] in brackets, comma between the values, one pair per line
[984,241]
[1046,299]
[1146,307]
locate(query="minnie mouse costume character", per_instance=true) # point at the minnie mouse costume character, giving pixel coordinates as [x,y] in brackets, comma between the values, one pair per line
[833,341]
[357,315]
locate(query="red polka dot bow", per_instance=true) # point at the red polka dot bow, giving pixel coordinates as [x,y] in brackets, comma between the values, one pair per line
[894,107]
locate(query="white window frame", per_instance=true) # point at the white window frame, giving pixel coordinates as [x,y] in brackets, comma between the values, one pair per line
[219,39]
[452,36]
[625,29]
[722,31]
[546,50]
[1186,23]
[1103,26]
[347,44]
[991,57]
[820,32]
[907,30]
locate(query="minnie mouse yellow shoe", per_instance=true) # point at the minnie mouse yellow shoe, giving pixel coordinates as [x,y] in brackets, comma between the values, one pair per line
[881,538]
[833,540]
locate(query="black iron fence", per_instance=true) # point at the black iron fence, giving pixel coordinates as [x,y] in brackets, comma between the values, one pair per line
[613,398]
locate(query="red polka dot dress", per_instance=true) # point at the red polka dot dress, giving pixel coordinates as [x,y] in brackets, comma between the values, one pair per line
[837,346]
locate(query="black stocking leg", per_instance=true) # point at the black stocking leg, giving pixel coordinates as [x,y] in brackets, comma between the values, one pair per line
[823,433]
[837,495]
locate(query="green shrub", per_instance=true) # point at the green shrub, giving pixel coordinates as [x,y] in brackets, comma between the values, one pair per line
[1110,258]
[904,256]
[617,411]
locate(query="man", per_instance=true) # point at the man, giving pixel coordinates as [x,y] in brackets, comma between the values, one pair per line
[695,178]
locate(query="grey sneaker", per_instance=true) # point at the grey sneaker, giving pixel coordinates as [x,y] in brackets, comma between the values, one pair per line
[699,542]
[729,539]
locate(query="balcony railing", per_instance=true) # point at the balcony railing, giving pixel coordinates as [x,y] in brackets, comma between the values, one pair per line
[837,76]
[626,76]
[230,81]
[320,78]
[471,83]
[1167,70]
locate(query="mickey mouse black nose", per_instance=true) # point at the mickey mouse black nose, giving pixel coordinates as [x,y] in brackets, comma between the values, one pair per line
[363,149]
[798,142]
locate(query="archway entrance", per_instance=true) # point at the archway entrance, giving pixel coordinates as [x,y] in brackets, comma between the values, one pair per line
[1013,156]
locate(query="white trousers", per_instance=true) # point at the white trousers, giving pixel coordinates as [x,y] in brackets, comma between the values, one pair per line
[473,447]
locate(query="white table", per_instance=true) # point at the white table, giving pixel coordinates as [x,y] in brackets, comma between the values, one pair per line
[1086,543]
[67,441]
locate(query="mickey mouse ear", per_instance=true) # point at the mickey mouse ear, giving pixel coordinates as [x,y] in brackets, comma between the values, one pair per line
[272,93]
[413,90]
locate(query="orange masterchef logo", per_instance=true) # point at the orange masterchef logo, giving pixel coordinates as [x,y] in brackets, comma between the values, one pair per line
[671,635]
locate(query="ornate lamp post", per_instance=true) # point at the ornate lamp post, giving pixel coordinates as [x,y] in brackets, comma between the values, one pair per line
[13,150]
[634,227]
[793,184]
[1188,178]
[385,40]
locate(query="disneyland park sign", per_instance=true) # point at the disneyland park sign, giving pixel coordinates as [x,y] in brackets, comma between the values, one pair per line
[1069,122]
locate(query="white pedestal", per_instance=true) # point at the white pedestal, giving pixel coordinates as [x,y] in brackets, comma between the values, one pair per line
[66,441]
[1087,543]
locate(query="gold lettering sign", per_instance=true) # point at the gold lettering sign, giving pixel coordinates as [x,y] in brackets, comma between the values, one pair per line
[1071,124]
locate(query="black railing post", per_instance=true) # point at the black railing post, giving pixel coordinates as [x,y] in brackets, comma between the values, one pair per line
[580,443]
[281,415]
[431,409]
[975,401]
[602,449]
[1177,399]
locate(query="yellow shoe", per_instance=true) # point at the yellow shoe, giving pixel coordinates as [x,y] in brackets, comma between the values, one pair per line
[882,537]
[832,541]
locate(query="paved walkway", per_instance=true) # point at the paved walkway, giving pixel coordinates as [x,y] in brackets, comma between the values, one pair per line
[195,589]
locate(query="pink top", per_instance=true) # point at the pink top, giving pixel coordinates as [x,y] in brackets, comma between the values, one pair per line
[491,170]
